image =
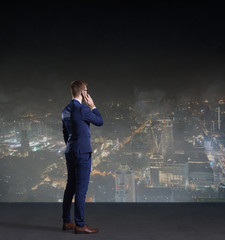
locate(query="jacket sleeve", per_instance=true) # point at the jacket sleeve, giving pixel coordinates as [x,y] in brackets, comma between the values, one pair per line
[65,133]
[93,116]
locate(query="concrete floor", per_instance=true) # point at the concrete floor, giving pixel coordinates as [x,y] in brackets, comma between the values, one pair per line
[116,221]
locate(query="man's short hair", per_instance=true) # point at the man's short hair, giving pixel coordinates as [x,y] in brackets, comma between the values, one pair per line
[76,87]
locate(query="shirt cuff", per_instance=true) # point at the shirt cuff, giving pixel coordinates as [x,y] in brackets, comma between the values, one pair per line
[93,108]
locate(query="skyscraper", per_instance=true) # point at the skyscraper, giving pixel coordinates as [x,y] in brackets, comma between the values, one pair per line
[25,147]
[24,128]
[125,184]
[167,137]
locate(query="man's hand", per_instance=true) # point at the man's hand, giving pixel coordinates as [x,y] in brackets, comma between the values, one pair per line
[89,101]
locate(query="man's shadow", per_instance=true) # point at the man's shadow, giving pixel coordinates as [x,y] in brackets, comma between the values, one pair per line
[17,225]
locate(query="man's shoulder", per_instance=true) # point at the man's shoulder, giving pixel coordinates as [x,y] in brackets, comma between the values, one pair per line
[66,112]
[75,105]
[67,107]
[71,105]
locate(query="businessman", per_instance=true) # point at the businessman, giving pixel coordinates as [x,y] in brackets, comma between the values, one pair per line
[76,118]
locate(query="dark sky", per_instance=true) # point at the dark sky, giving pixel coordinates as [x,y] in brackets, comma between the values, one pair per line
[117,48]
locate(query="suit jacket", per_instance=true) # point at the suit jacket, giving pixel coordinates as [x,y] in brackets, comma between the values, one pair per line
[76,118]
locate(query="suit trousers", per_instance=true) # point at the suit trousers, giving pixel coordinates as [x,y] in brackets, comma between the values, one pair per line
[78,170]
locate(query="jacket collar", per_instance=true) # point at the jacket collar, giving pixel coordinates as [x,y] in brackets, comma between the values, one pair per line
[77,100]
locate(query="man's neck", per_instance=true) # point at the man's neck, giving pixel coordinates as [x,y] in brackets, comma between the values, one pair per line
[78,99]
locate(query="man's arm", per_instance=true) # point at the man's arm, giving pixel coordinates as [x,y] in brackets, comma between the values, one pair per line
[93,116]
[65,133]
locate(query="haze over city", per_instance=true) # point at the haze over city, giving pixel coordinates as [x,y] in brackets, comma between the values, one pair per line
[156,73]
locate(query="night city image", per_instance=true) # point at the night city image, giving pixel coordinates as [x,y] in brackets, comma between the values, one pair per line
[156,72]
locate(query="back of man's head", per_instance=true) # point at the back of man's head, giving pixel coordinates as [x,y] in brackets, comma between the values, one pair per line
[76,87]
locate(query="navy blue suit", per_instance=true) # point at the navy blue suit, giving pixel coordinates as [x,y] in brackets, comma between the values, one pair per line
[76,118]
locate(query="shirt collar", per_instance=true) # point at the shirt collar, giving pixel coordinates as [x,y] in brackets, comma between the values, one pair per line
[77,100]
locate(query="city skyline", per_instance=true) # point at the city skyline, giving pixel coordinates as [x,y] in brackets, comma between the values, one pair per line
[155,71]
[174,154]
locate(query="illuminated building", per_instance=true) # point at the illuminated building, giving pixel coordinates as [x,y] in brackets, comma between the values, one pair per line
[25,147]
[125,184]
[173,173]
[167,137]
